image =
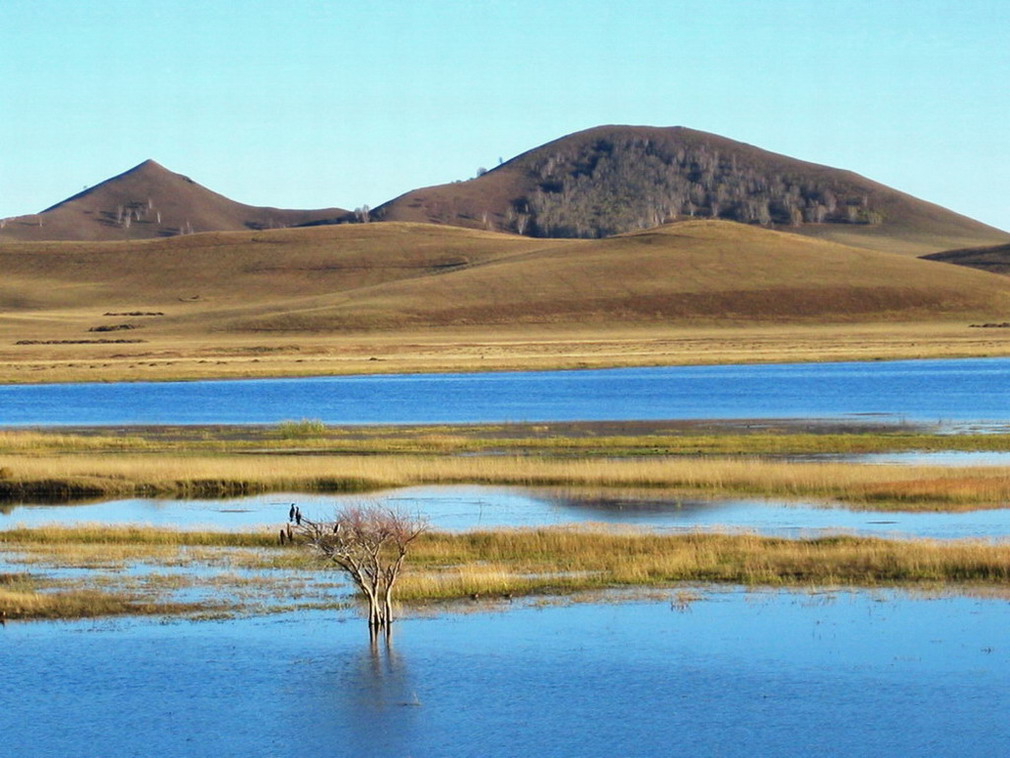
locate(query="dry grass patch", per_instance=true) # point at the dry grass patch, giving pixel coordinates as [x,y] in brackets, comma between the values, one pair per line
[84,603]
[479,565]
[879,487]
[550,560]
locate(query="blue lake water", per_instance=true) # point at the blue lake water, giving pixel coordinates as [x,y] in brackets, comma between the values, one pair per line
[458,508]
[736,674]
[928,391]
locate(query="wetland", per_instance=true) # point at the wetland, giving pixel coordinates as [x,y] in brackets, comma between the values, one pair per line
[808,576]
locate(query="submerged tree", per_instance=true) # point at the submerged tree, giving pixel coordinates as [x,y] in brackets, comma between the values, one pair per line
[369,543]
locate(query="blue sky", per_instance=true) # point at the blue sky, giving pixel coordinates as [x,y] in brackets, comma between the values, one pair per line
[304,103]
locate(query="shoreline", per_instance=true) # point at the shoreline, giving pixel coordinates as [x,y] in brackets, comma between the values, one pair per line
[712,458]
[248,573]
[224,357]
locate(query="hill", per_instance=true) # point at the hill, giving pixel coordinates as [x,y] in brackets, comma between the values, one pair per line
[381,276]
[995,259]
[615,179]
[421,297]
[150,201]
[696,272]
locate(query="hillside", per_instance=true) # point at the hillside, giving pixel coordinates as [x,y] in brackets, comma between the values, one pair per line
[380,276]
[421,297]
[150,201]
[995,259]
[696,272]
[615,179]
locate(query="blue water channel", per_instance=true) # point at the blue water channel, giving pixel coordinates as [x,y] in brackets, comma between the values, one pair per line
[929,391]
[728,673]
[459,508]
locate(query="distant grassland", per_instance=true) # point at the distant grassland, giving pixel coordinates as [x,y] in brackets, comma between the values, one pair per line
[395,297]
[483,566]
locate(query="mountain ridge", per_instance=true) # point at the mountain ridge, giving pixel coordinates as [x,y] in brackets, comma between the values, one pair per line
[594,183]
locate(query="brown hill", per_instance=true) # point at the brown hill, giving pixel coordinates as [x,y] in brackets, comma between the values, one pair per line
[419,297]
[150,201]
[615,179]
[697,272]
[335,279]
[995,259]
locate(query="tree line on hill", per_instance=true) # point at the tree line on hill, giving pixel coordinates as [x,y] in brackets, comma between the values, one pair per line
[610,186]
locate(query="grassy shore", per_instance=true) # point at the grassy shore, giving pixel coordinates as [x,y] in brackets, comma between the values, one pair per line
[55,478]
[560,439]
[536,347]
[682,458]
[479,566]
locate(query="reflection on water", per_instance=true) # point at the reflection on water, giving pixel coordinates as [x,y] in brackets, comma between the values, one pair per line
[939,458]
[736,674]
[373,691]
[476,507]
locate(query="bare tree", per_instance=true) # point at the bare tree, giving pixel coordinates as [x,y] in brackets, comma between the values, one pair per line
[369,543]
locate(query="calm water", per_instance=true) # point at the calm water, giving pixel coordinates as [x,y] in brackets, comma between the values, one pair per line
[474,507]
[960,391]
[738,674]
[932,458]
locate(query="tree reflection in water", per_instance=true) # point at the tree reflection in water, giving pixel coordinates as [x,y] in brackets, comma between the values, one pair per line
[378,698]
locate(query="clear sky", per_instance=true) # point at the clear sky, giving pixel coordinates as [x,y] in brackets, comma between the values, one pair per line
[307,104]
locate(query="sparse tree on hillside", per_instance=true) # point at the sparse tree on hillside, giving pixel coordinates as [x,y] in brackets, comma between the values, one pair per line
[369,543]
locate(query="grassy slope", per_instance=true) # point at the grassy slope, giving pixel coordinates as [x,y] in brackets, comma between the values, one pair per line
[694,272]
[994,259]
[426,297]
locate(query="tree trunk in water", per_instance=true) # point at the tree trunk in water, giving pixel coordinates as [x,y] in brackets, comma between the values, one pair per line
[387,603]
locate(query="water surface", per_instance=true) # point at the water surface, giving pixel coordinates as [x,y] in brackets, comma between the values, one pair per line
[480,507]
[736,674]
[954,392]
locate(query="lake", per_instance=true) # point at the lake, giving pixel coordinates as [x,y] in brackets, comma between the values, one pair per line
[465,507]
[734,673]
[959,393]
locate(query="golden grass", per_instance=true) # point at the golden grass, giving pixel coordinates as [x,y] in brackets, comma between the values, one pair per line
[85,603]
[410,298]
[564,559]
[648,438]
[468,349]
[879,487]
[135,536]
[494,564]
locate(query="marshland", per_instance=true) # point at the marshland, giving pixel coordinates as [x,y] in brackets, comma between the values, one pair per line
[560,554]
